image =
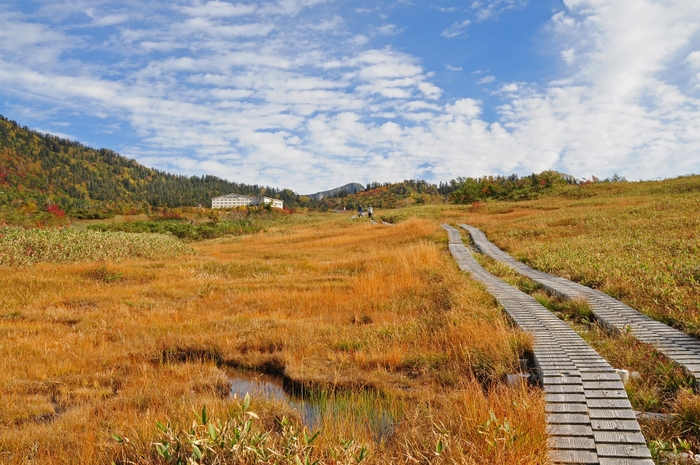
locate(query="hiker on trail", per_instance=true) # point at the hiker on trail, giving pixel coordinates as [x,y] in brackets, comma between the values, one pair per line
[359,211]
[370,210]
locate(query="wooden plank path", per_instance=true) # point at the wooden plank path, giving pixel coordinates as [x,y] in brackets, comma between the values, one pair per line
[589,417]
[610,312]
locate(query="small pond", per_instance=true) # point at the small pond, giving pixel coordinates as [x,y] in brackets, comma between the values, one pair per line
[368,409]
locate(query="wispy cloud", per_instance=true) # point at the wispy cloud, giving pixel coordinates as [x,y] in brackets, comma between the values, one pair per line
[218,9]
[486,9]
[486,80]
[106,20]
[456,29]
[389,29]
[359,40]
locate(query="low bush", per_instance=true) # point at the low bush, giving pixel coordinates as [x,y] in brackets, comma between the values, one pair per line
[182,229]
[27,246]
[89,215]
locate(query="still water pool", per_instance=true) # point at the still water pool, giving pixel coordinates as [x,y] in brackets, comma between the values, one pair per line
[367,410]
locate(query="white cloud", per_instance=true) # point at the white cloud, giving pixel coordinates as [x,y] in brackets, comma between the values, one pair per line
[333,24]
[359,40]
[32,43]
[218,9]
[487,9]
[456,29]
[422,105]
[389,29]
[449,67]
[206,26]
[265,94]
[616,113]
[288,7]
[107,20]
[568,55]
[429,90]
[467,107]
[385,64]
[693,59]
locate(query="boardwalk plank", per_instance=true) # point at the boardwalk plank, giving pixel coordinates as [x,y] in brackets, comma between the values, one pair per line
[569,442]
[569,430]
[569,418]
[625,461]
[622,450]
[612,414]
[618,437]
[615,425]
[574,456]
[567,408]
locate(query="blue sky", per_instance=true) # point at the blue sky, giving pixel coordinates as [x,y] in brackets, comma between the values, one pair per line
[312,94]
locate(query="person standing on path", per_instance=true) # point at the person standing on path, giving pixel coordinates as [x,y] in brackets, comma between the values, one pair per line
[370,210]
[359,211]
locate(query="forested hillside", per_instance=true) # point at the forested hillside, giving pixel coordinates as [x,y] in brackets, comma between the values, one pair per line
[43,177]
[39,169]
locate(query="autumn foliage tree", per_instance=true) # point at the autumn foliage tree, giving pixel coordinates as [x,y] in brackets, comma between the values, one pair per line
[45,169]
[513,187]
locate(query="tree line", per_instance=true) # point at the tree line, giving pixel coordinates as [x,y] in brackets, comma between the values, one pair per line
[43,172]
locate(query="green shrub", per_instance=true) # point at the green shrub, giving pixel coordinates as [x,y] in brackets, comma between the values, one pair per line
[183,230]
[27,246]
[89,215]
[240,439]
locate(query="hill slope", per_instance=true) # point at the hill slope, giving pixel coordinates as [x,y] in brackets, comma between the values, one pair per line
[40,168]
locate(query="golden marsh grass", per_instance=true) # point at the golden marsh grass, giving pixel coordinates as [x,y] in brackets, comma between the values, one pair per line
[363,313]
[635,241]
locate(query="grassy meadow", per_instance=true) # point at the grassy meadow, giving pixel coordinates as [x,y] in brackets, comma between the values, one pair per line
[129,360]
[638,242]
[129,357]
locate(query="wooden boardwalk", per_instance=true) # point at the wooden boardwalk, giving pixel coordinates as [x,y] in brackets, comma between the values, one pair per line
[610,312]
[589,417]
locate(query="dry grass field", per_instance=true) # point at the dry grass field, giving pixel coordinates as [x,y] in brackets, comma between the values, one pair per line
[105,362]
[639,242]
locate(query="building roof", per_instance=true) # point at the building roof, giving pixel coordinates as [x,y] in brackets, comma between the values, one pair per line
[233,196]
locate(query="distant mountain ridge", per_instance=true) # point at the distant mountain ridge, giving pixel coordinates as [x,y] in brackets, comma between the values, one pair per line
[351,188]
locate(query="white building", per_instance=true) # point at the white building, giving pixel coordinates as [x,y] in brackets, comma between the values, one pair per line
[237,200]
